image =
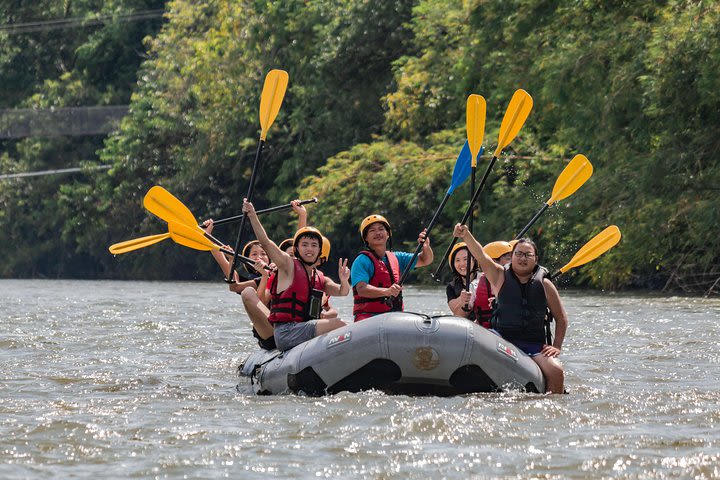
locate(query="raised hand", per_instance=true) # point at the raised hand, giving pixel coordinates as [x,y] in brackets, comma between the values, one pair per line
[343,270]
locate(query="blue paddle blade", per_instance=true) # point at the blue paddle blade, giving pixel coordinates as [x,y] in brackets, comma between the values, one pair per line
[463,164]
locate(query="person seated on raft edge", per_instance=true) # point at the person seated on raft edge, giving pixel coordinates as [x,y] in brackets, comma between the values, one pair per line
[520,282]
[480,294]
[256,306]
[296,292]
[376,270]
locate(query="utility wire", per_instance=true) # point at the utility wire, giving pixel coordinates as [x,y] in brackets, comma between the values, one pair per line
[29,27]
[52,172]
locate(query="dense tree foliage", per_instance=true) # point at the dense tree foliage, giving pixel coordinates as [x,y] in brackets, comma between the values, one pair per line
[372,122]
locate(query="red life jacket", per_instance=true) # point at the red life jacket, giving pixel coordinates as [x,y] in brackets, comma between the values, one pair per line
[483,312]
[292,304]
[384,275]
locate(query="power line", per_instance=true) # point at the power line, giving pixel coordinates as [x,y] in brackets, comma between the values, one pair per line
[29,27]
[57,121]
[52,172]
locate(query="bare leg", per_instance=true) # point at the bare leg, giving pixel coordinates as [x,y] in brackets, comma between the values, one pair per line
[328,325]
[258,313]
[554,373]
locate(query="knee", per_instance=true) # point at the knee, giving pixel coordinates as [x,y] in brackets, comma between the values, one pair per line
[249,295]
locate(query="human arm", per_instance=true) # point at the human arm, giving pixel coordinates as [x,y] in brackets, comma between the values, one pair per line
[459,306]
[493,271]
[219,256]
[300,211]
[282,260]
[332,288]
[561,322]
[426,254]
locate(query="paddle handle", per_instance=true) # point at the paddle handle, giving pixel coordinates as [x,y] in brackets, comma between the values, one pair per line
[279,208]
[251,189]
[473,200]
[420,246]
[532,221]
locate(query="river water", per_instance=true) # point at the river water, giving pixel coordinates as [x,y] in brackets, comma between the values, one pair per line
[138,380]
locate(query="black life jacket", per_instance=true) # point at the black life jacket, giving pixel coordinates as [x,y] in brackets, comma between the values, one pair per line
[522,309]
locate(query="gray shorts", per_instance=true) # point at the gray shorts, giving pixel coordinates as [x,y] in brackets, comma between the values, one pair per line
[289,334]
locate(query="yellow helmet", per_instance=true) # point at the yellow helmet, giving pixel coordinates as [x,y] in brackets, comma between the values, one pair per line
[451,258]
[310,232]
[287,243]
[246,253]
[497,249]
[325,252]
[513,242]
[369,220]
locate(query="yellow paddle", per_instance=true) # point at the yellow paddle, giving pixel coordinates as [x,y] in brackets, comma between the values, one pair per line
[599,244]
[475,127]
[137,243]
[573,176]
[194,238]
[164,205]
[271,99]
[517,112]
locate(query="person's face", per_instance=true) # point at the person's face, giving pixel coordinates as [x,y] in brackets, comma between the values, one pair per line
[504,259]
[290,250]
[524,258]
[258,253]
[460,262]
[308,248]
[376,234]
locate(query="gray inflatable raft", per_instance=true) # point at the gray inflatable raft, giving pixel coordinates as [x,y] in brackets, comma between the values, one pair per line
[399,353]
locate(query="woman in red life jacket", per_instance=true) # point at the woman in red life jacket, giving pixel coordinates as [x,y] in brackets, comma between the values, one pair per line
[524,297]
[296,291]
[482,298]
[376,270]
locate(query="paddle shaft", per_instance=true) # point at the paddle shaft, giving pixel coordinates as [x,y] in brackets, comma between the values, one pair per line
[279,208]
[470,228]
[251,189]
[469,210]
[420,246]
[532,221]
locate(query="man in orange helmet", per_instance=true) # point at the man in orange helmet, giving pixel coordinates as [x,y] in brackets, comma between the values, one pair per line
[376,271]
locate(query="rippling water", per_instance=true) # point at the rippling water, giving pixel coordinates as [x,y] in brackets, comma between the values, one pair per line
[138,379]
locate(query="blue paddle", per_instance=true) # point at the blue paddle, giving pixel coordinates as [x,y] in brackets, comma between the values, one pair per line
[460,173]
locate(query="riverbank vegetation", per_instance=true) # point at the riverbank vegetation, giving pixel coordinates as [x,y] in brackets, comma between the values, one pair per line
[372,122]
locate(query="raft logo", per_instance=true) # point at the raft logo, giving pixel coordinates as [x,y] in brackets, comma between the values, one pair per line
[338,339]
[507,350]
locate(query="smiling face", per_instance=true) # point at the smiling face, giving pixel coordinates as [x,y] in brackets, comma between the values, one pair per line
[376,235]
[524,258]
[258,253]
[308,249]
[460,262]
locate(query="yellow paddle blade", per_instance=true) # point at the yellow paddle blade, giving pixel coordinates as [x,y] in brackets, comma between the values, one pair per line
[163,204]
[600,243]
[475,124]
[517,112]
[271,99]
[575,174]
[137,243]
[192,237]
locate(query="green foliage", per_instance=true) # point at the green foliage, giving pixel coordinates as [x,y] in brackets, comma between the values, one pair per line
[372,122]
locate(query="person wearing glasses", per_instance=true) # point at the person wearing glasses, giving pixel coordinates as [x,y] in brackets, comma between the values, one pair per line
[526,300]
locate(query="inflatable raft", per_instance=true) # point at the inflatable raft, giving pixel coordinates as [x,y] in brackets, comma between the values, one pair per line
[398,353]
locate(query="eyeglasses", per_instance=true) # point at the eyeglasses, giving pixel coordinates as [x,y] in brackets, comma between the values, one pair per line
[528,255]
